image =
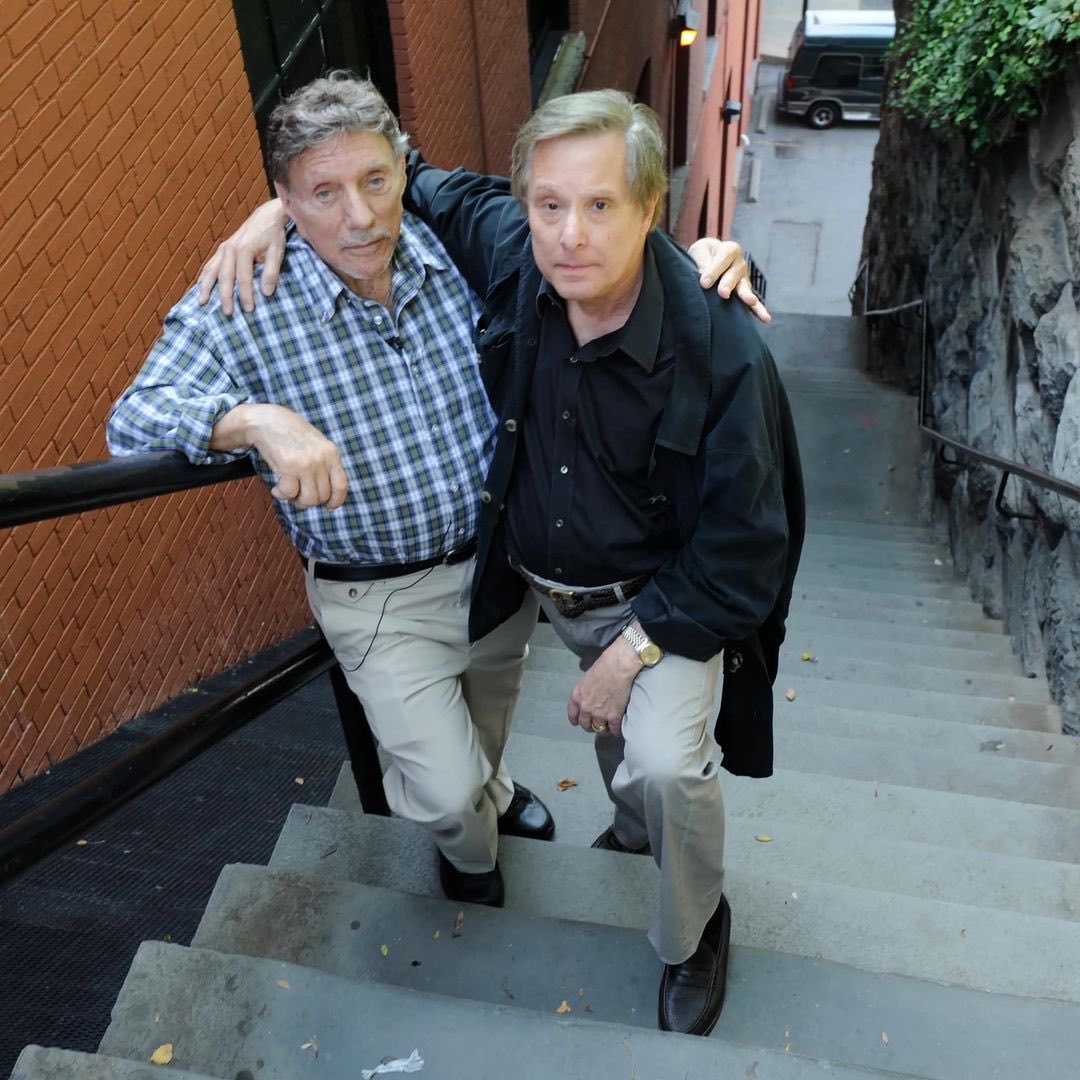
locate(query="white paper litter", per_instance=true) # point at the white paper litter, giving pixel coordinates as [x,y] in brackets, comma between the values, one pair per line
[413,1063]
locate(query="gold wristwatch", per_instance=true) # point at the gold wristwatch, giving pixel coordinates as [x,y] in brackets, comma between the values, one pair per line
[649,653]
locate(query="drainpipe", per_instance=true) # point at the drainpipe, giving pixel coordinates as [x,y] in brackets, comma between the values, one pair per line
[592,47]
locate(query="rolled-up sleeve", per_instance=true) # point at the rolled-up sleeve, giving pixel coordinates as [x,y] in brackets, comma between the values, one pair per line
[181,392]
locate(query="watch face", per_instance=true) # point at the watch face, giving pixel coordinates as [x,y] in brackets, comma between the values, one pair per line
[650,654]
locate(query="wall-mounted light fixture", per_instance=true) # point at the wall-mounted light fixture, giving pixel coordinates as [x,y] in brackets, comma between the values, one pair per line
[732,110]
[684,27]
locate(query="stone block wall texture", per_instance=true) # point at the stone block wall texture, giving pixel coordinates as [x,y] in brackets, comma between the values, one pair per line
[127,147]
[994,245]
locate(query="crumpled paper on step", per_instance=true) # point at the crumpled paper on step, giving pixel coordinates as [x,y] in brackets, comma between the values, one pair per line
[413,1063]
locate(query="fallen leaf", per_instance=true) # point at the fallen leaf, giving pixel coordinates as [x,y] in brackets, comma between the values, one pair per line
[283,984]
[437,933]
[298,780]
[566,785]
[459,923]
[384,949]
[999,746]
[416,963]
[328,852]
[763,838]
[563,1008]
[166,937]
[81,843]
[789,694]
[508,992]
[1050,747]
[885,1037]
[587,1007]
[162,1055]
[937,562]
[963,933]
[807,656]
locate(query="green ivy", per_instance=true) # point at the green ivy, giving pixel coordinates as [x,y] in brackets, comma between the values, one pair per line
[975,69]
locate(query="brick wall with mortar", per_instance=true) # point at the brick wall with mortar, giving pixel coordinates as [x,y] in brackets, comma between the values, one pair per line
[127,145]
[463,78]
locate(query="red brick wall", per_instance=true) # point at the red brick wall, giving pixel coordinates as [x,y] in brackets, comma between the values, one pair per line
[714,145]
[463,78]
[127,146]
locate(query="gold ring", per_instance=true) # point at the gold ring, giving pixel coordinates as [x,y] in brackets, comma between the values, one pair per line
[598,728]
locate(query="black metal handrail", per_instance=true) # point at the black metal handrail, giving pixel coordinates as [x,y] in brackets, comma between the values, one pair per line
[44,494]
[944,442]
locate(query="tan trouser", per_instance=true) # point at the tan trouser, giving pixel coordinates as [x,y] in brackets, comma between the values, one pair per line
[439,707]
[661,776]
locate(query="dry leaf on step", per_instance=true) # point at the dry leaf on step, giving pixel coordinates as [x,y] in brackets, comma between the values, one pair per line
[563,1008]
[162,1055]
[566,785]
[789,694]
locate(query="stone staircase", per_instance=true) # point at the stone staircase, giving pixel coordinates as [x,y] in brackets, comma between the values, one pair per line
[905,889]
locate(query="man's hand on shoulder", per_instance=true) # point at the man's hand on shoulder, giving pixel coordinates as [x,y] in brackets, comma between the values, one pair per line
[260,239]
[304,461]
[722,261]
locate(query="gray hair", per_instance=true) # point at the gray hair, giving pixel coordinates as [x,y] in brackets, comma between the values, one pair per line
[339,103]
[596,112]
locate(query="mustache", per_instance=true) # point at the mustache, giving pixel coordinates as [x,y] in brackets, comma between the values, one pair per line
[358,239]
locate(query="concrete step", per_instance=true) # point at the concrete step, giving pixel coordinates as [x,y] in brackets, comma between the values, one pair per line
[945,736]
[850,752]
[888,600]
[992,641]
[553,689]
[836,524]
[838,668]
[828,804]
[887,583]
[50,1063]
[859,611]
[613,966]
[781,902]
[351,846]
[231,1016]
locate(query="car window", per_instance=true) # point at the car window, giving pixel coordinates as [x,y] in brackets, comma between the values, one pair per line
[837,71]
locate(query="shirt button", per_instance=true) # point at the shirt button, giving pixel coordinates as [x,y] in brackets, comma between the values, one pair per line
[573,359]
[455,488]
[378,320]
[558,523]
[558,570]
[485,496]
[510,425]
[566,414]
[434,429]
[352,594]
[564,470]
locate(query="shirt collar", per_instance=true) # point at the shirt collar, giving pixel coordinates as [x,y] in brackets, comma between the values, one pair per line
[639,336]
[412,256]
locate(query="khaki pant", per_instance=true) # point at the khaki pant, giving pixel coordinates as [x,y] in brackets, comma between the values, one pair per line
[661,776]
[439,707]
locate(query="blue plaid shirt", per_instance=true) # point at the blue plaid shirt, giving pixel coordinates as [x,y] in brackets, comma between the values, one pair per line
[396,389]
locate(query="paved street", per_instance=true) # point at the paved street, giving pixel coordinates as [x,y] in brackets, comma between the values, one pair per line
[812,187]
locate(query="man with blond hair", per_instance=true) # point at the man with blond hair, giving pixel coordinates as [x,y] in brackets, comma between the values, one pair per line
[645,487]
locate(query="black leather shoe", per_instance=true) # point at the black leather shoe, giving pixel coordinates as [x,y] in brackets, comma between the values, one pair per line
[692,993]
[486,888]
[526,816]
[608,841]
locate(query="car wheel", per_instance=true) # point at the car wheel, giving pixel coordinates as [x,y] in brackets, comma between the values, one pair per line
[822,114]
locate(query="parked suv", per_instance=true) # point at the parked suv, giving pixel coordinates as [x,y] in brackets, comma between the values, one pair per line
[836,66]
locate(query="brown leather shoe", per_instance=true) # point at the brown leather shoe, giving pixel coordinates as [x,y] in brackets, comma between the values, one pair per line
[608,841]
[692,993]
[485,888]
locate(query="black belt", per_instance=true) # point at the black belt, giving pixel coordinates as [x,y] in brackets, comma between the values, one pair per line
[570,603]
[329,571]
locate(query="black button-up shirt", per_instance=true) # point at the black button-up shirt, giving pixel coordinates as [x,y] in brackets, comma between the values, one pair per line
[581,508]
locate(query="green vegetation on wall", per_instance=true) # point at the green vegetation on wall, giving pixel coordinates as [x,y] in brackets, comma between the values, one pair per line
[975,69]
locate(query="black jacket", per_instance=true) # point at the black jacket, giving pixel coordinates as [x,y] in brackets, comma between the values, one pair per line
[725,456]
